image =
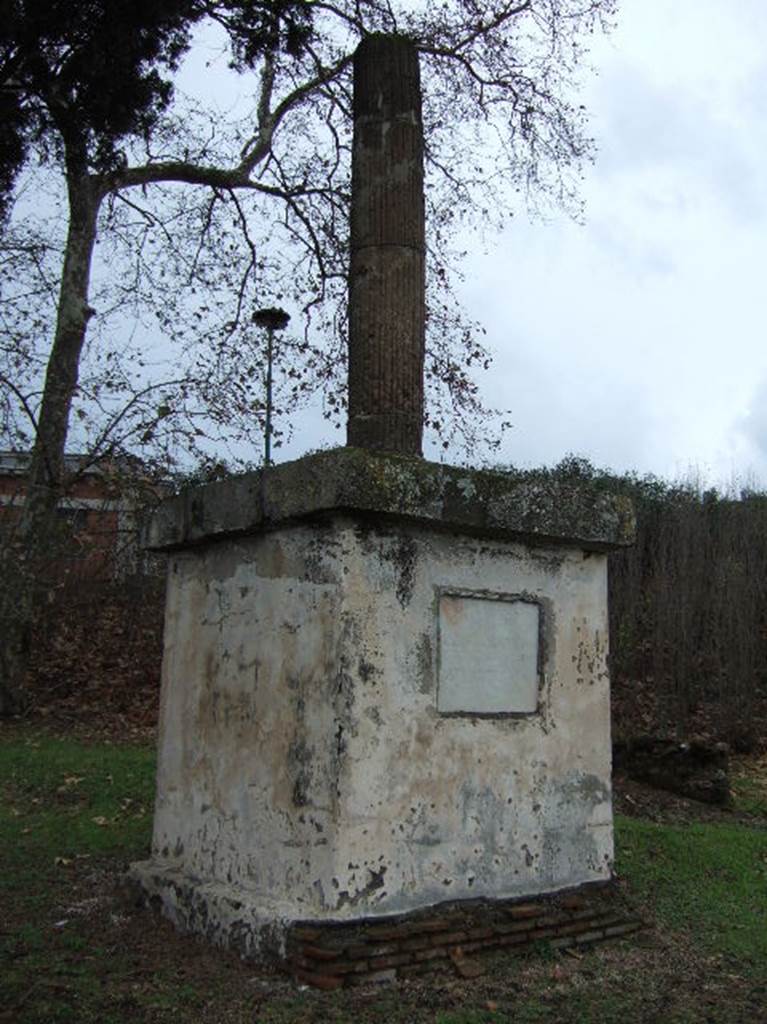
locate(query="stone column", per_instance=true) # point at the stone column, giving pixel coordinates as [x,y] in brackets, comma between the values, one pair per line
[387,270]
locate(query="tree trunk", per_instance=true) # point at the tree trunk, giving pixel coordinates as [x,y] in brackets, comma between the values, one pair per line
[25,575]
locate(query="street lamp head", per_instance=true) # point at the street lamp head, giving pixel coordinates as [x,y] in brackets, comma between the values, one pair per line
[273,319]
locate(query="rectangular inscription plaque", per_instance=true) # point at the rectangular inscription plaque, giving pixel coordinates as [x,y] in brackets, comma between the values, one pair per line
[488,655]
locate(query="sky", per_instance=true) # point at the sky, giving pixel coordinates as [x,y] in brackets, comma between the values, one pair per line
[635,339]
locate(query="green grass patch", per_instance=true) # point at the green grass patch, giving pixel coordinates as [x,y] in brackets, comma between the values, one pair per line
[65,808]
[62,800]
[73,814]
[709,879]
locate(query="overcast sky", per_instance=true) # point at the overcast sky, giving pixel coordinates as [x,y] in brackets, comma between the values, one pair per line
[636,338]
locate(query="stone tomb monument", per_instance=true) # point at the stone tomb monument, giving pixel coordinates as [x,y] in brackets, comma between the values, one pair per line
[385,681]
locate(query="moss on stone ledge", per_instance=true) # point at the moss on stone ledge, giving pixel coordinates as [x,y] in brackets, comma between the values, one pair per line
[537,507]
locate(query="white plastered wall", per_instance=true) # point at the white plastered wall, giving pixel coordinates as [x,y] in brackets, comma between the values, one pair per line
[305,770]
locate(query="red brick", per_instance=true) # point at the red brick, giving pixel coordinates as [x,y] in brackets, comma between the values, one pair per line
[319,952]
[593,936]
[582,915]
[425,927]
[429,954]
[573,902]
[392,961]
[573,928]
[410,929]
[323,981]
[385,932]
[300,962]
[604,920]
[520,938]
[472,947]
[623,929]
[351,966]
[305,934]
[359,952]
[408,970]
[384,949]
[525,911]
[548,921]
[439,924]
[516,926]
[448,939]
[418,943]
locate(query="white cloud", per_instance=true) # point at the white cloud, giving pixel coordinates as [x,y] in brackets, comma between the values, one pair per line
[636,339]
[750,429]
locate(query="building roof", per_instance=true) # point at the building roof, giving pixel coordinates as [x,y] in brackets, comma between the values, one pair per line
[16,463]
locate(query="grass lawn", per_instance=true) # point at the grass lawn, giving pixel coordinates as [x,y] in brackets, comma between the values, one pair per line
[73,814]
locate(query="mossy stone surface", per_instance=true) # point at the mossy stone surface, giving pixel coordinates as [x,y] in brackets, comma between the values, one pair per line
[537,508]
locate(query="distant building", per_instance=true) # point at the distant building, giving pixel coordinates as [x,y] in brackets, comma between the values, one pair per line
[100,513]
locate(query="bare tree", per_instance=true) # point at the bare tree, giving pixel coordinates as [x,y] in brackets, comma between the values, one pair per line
[84,90]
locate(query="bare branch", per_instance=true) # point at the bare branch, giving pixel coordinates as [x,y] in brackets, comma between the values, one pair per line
[485,29]
[134,401]
[251,262]
[263,142]
[21,399]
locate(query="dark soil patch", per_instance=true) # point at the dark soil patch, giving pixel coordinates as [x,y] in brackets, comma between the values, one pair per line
[638,800]
[140,970]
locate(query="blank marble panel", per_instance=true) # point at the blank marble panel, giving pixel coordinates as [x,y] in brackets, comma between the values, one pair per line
[488,655]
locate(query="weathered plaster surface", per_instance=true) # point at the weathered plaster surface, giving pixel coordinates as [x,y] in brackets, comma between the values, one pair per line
[305,771]
[533,507]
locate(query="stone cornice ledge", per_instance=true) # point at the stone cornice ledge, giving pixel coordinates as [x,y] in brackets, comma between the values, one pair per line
[538,508]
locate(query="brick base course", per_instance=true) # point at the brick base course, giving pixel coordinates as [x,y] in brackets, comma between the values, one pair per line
[337,955]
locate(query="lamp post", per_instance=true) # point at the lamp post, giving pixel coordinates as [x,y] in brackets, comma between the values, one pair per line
[272,319]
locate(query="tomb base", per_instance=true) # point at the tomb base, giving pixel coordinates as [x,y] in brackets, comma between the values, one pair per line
[384,687]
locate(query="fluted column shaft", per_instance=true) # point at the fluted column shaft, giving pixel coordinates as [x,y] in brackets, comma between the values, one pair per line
[387,270]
